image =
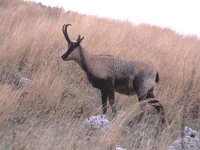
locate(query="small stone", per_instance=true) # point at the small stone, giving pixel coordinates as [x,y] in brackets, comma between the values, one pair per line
[24,82]
[120,148]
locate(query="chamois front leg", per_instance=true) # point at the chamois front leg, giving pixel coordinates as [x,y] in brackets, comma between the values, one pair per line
[111,96]
[104,97]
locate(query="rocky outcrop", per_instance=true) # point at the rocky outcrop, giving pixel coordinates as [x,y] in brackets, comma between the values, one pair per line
[190,141]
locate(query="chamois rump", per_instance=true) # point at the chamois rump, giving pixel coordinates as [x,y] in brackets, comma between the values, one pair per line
[110,74]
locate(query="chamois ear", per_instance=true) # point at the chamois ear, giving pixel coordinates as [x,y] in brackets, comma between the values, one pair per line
[79,37]
[79,40]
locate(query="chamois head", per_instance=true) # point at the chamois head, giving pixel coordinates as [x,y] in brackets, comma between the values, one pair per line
[72,51]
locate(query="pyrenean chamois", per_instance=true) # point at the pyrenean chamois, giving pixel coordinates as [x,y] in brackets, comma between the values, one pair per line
[110,74]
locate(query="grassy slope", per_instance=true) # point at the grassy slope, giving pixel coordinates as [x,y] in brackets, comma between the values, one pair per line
[48,113]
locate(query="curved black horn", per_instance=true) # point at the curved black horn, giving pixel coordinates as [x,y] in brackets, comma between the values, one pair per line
[64,29]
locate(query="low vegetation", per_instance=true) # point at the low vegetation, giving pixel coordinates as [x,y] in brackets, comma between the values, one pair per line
[47,114]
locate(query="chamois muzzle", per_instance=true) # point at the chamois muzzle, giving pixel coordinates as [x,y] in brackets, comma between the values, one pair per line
[65,56]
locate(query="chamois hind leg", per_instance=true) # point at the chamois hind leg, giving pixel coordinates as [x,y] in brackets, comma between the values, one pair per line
[160,109]
[104,96]
[150,93]
[157,105]
[142,95]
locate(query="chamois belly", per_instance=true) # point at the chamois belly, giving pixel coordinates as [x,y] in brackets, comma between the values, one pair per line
[123,87]
[98,83]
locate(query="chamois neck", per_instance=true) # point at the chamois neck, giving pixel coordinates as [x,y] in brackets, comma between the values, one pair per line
[84,60]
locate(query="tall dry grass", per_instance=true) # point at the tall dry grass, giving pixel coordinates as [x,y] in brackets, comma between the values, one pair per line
[48,113]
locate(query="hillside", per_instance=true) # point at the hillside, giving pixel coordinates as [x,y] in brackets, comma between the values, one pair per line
[48,113]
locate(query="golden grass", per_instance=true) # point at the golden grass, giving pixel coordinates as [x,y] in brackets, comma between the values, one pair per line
[48,113]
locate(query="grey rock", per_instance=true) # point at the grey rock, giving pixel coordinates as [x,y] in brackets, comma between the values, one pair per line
[190,141]
[120,148]
[23,82]
[96,122]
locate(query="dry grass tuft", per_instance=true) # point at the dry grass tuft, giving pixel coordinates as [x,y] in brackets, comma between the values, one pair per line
[48,113]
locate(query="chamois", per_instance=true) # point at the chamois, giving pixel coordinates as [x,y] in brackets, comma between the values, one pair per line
[110,74]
